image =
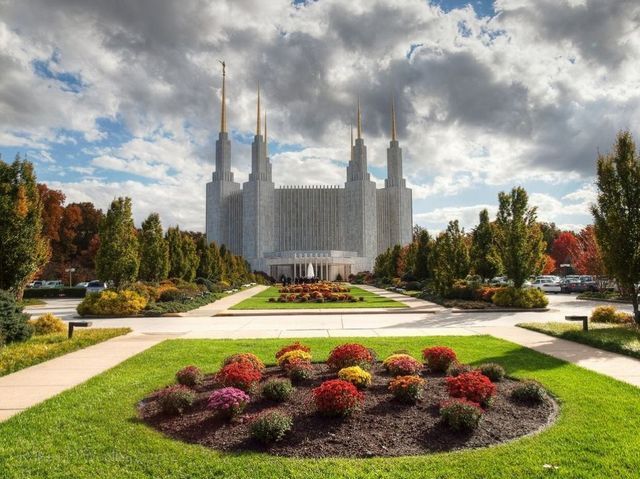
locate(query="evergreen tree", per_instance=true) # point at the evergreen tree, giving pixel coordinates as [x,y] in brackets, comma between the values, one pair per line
[519,242]
[190,257]
[205,265]
[484,259]
[395,262]
[117,258]
[217,266]
[450,258]
[154,251]
[617,215]
[177,266]
[14,324]
[381,267]
[423,247]
[23,249]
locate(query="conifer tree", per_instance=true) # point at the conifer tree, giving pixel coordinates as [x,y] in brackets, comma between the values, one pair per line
[190,257]
[484,258]
[450,257]
[424,244]
[117,258]
[177,266]
[154,251]
[205,265]
[217,266]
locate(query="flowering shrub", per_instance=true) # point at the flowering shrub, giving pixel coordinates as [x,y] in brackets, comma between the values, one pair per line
[493,371]
[350,355]
[474,386]
[271,427]
[176,399]
[485,293]
[520,298]
[229,401]
[460,414]
[394,356]
[297,346]
[112,303]
[244,358]
[456,369]
[298,370]
[48,324]
[529,392]
[337,397]
[405,366]
[190,376]
[439,358]
[317,292]
[239,375]
[289,356]
[609,314]
[277,389]
[407,389]
[356,376]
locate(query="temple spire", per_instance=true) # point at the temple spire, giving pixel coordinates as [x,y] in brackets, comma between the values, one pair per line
[351,141]
[223,108]
[258,114]
[359,121]
[393,120]
[266,144]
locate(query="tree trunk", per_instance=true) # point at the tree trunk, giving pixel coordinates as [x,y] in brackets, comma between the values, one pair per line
[634,301]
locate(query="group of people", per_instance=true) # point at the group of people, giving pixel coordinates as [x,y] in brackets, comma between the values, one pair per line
[287,281]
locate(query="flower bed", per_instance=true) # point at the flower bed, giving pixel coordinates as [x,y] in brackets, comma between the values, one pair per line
[315,293]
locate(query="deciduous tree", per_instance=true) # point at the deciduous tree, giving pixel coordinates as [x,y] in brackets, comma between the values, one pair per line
[484,259]
[450,257]
[564,249]
[154,252]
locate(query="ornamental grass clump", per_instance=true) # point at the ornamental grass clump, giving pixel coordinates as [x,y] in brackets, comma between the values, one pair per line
[289,356]
[337,397]
[228,402]
[271,427]
[241,375]
[473,386]
[277,389]
[298,370]
[404,366]
[439,358]
[460,414]
[245,358]
[356,376]
[176,399]
[493,371]
[347,355]
[190,376]
[407,389]
[529,392]
[48,324]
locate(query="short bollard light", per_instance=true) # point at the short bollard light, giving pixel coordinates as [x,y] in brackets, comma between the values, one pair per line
[584,319]
[77,324]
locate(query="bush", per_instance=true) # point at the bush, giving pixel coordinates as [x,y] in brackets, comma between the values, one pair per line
[228,402]
[249,358]
[350,355]
[473,386]
[393,357]
[48,324]
[158,309]
[190,376]
[239,375]
[290,356]
[112,303]
[171,294]
[461,290]
[277,390]
[528,298]
[39,293]
[460,414]
[299,370]
[439,358]
[485,293]
[407,389]
[529,392]
[176,399]
[14,324]
[271,427]
[356,376]
[405,366]
[456,369]
[609,314]
[337,398]
[493,371]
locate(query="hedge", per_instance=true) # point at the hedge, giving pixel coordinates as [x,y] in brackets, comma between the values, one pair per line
[33,293]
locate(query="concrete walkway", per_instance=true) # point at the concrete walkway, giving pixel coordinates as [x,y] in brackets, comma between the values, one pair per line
[225,303]
[416,304]
[30,386]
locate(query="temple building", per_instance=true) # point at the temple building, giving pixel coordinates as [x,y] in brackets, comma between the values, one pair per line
[281,230]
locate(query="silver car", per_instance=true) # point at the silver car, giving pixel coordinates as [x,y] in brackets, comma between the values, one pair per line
[96,286]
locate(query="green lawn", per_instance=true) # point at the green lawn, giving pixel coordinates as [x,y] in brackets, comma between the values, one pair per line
[17,356]
[92,431]
[616,338]
[371,300]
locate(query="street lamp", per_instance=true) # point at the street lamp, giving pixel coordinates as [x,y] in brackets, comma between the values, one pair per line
[70,270]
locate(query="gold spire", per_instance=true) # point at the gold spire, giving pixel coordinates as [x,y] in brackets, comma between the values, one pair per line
[223,109]
[258,115]
[266,144]
[359,121]
[393,120]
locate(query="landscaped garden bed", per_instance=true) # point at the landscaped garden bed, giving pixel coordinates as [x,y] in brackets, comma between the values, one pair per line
[353,406]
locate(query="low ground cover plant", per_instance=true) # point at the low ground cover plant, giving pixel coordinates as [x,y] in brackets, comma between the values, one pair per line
[407,389]
[190,376]
[460,414]
[337,398]
[493,371]
[439,358]
[351,354]
[277,389]
[356,376]
[473,386]
[228,401]
[176,399]
[271,427]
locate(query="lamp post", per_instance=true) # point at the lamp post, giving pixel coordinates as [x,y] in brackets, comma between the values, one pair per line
[70,270]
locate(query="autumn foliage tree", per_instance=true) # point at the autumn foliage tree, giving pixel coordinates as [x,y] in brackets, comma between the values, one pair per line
[588,258]
[565,248]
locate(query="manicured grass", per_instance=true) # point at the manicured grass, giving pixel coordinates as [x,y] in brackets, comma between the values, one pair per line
[32,302]
[371,300]
[610,337]
[17,356]
[92,430]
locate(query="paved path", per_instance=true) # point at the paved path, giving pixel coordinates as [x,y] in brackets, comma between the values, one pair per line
[28,387]
[225,303]
[411,302]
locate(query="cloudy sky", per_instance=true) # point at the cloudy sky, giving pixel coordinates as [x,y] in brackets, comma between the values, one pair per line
[122,97]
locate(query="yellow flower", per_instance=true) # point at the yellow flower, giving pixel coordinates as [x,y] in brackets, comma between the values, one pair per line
[289,356]
[356,376]
[393,357]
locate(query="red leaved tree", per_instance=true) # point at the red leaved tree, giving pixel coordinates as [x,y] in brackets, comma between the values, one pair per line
[549,265]
[564,248]
[588,260]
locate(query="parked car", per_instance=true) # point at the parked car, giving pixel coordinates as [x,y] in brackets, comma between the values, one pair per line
[547,285]
[53,284]
[96,286]
[38,284]
[82,284]
[499,281]
[579,284]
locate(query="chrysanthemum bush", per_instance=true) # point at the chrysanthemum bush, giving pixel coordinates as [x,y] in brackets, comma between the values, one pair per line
[351,354]
[190,376]
[176,399]
[277,389]
[473,386]
[271,426]
[297,346]
[337,398]
[493,371]
[404,366]
[356,376]
[244,358]
[407,389]
[456,369]
[228,402]
[289,356]
[393,357]
[439,358]
[298,370]
[529,392]
[240,375]
[460,414]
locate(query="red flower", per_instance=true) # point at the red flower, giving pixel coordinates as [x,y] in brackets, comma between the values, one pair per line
[350,355]
[337,397]
[293,347]
[239,375]
[473,386]
[439,358]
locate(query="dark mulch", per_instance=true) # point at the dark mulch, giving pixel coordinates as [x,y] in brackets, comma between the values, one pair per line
[382,428]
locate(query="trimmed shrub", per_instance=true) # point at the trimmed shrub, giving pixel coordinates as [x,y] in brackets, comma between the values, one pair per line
[277,390]
[228,402]
[171,294]
[337,398]
[239,375]
[407,389]
[356,376]
[112,303]
[48,324]
[404,366]
[271,427]
[609,314]
[460,414]
[290,356]
[190,376]
[250,358]
[351,354]
[439,358]
[394,356]
[493,371]
[456,369]
[38,293]
[299,370]
[14,324]
[176,399]
[473,386]
[528,298]
[485,293]
[529,392]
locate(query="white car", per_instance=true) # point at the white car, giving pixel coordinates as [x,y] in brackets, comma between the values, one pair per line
[547,285]
[96,286]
